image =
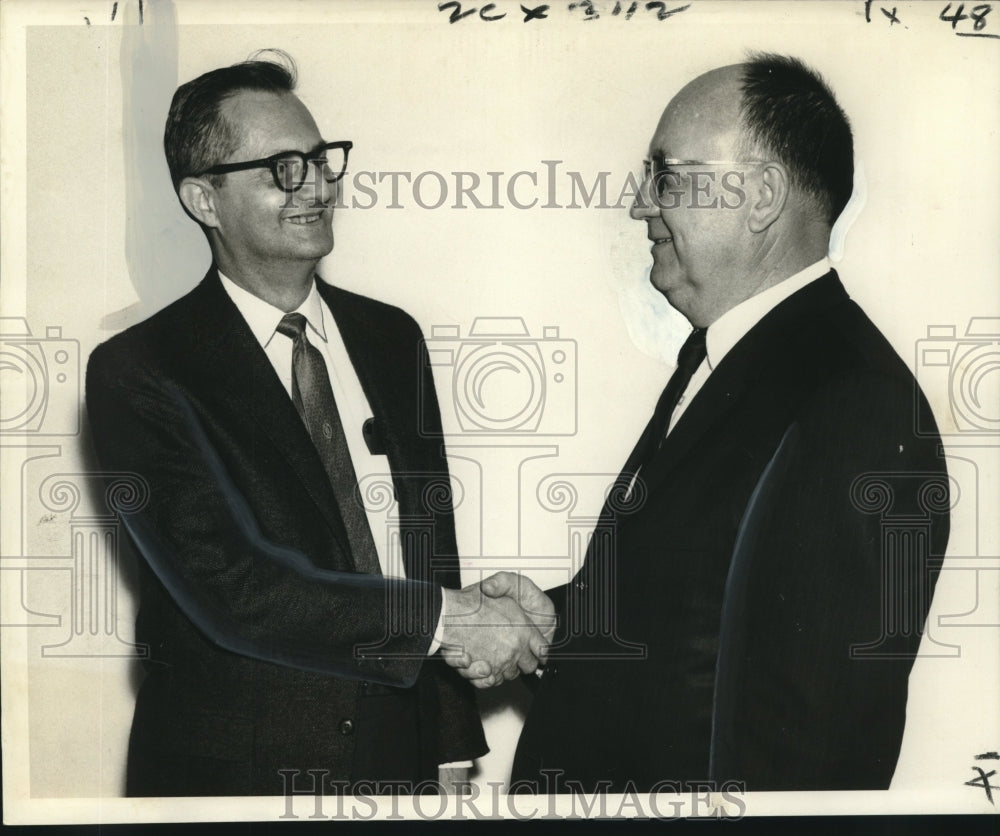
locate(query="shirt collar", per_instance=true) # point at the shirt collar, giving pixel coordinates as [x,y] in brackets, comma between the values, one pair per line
[263,317]
[733,325]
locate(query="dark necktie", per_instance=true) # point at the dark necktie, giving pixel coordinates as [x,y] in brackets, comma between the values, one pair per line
[599,565]
[313,398]
[688,359]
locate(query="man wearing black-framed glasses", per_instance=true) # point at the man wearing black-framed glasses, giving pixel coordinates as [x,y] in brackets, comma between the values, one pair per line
[290,168]
[304,634]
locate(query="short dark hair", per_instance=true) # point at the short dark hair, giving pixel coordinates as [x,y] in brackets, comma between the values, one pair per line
[197,136]
[790,113]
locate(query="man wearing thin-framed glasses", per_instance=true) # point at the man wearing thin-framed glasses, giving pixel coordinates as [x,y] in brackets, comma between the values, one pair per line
[295,644]
[749,614]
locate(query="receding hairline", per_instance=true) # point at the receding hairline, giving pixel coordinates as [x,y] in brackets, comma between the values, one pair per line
[196,124]
[710,105]
[720,91]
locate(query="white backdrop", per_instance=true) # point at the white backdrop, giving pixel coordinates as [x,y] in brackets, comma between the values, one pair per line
[95,240]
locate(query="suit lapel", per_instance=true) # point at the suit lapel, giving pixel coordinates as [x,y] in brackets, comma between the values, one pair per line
[241,373]
[379,361]
[759,352]
[375,368]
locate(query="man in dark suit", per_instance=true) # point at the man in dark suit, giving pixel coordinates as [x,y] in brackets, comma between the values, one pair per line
[291,645]
[752,601]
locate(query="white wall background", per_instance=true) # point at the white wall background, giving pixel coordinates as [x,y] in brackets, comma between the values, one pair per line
[417,94]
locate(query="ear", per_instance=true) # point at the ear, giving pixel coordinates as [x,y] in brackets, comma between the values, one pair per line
[770,198]
[198,198]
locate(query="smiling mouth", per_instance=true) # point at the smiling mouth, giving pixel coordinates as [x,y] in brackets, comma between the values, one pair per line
[302,220]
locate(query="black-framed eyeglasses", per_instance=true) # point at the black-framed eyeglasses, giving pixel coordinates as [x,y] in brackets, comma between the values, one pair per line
[658,170]
[290,168]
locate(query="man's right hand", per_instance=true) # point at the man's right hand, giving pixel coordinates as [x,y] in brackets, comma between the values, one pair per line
[488,637]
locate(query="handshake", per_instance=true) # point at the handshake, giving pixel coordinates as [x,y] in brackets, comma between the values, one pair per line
[497,629]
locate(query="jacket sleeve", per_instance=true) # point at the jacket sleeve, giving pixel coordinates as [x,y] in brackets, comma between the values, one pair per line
[828,591]
[198,533]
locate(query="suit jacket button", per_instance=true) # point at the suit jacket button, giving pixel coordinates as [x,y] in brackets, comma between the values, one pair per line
[346,727]
[580,585]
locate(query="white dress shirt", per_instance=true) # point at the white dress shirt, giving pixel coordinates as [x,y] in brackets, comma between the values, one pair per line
[735,323]
[322,332]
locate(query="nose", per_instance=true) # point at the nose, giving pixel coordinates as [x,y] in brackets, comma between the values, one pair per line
[316,190]
[326,191]
[643,207]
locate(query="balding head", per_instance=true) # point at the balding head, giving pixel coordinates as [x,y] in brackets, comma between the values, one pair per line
[736,206]
[702,122]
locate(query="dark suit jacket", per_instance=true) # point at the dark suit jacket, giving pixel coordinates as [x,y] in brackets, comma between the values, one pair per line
[754,612]
[262,635]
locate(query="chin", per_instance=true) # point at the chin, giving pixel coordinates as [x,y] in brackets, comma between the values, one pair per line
[320,249]
[665,281]
[678,296]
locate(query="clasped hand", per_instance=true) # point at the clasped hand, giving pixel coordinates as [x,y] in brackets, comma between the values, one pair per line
[497,629]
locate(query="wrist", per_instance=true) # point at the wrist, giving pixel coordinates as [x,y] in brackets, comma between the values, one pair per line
[458,604]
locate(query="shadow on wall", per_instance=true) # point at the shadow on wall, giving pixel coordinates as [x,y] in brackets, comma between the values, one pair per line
[165,250]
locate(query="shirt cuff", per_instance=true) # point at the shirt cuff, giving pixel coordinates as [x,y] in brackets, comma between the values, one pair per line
[456,765]
[438,632]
